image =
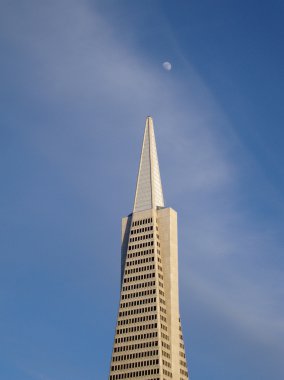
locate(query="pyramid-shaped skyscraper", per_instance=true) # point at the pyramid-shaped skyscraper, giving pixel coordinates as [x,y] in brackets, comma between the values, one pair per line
[148,342]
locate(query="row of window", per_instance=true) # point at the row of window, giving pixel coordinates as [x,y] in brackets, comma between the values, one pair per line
[140,253]
[166,354]
[135,355]
[162,301]
[137,302]
[138,278]
[132,329]
[144,318]
[142,302]
[137,311]
[167,373]
[166,345]
[136,337]
[131,375]
[183,372]
[141,245]
[182,363]
[137,346]
[165,336]
[140,285]
[181,354]
[139,269]
[138,294]
[141,230]
[167,364]
[145,363]
[127,376]
[164,319]
[142,221]
[141,237]
[163,327]
[140,261]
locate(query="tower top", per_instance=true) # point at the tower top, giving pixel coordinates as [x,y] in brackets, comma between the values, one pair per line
[149,192]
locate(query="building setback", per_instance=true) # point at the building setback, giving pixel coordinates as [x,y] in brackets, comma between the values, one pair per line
[148,342]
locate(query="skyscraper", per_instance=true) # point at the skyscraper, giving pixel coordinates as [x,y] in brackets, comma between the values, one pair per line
[148,342]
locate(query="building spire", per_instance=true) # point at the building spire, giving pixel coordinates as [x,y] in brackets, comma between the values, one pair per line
[149,192]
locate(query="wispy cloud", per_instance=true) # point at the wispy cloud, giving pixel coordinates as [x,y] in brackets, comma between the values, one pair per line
[38,375]
[82,64]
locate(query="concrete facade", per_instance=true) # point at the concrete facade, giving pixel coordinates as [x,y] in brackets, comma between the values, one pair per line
[148,342]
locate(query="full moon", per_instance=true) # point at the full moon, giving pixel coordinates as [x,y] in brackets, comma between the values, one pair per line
[167,66]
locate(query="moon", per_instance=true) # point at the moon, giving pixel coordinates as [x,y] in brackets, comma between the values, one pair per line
[167,66]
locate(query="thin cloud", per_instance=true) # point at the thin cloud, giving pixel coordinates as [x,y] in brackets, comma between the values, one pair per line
[84,65]
[83,58]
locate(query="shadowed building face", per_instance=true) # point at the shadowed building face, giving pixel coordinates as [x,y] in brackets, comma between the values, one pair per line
[148,341]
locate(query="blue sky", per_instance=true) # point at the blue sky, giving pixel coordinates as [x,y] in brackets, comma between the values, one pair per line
[78,79]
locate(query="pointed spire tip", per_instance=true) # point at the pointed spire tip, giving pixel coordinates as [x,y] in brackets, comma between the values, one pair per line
[149,192]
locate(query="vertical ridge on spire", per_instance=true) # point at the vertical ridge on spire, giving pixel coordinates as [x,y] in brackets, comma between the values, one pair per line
[149,192]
